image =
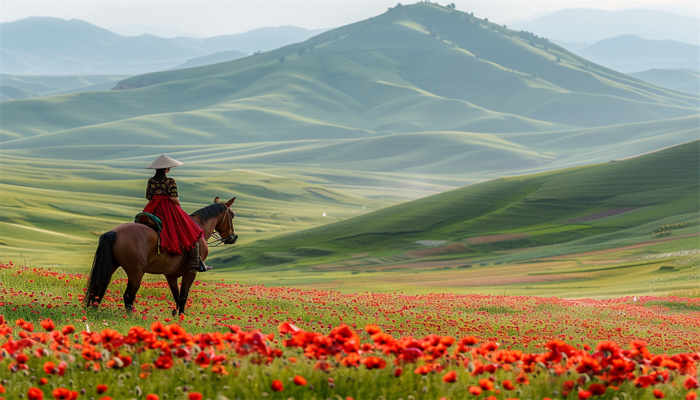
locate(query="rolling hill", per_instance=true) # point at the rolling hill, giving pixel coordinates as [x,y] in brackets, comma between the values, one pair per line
[418,100]
[687,80]
[579,209]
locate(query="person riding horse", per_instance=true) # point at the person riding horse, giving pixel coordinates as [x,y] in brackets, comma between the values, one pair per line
[180,232]
[135,246]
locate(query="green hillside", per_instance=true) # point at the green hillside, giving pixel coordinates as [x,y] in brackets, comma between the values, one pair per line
[53,216]
[687,80]
[578,209]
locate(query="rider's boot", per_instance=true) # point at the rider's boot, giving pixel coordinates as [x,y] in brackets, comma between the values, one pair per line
[195,262]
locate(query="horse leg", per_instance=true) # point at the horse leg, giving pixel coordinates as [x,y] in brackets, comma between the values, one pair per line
[130,293]
[187,281]
[172,282]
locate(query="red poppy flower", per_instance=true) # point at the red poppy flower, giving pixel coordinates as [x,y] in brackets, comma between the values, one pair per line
[277,386]
[398,371]
[597,389]
[691,396]
[486,384]
[202,359]
[691,383]
[48,325]
[42,381]
[22,358]
[299,380]
[101,389]
[105,398]
[508,385]
[475,390]
[450,377]
[194,396]
[373,362]
[50,367]
[164,362]
[152,397]
[35,394]
[68,329]
[61,394]
[658,394]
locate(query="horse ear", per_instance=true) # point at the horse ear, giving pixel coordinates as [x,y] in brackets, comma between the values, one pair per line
[216,199]
[230,202]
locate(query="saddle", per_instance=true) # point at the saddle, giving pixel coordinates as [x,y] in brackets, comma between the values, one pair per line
[150,221]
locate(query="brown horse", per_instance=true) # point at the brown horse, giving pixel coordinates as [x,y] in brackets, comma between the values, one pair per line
[133,247]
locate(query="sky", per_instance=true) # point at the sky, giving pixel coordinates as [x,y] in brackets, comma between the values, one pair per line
[205,18]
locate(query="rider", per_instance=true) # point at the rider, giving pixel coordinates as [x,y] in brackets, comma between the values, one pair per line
[180,232]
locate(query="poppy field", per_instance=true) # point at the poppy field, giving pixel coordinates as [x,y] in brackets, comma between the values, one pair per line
[250,341]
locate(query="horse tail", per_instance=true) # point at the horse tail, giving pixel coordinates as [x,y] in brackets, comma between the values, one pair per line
[101,273]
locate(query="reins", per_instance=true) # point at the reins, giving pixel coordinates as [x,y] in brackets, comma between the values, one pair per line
[215,238]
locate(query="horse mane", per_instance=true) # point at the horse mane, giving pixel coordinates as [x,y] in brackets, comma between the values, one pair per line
[209,212]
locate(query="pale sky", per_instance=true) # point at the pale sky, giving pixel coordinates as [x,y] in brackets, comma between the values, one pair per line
[210,18]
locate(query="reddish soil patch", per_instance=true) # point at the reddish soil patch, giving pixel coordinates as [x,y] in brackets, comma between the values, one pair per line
[502,280]
[496,238]
[602,214]
[616,249]
[455,248]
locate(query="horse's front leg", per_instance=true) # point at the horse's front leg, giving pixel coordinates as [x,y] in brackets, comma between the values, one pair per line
[187,281]
[130,293]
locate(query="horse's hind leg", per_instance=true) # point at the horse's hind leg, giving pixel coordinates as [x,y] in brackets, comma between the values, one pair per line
[172,282]
[131,288]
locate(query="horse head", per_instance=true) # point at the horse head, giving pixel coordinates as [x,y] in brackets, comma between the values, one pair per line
[225,227]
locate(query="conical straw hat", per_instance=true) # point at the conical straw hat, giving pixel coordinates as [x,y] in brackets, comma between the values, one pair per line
[164,162]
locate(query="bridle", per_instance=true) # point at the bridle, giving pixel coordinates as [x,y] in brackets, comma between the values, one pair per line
[216,239]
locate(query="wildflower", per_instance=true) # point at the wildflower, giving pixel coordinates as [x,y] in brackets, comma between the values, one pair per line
[398,371]
[597,389]
[486,384]
[508,385]
[152,397]
[475,390]
[194,396]
[35,394]
[658,394]
[50,368]
[62,394]
[299,380]
[164,362]
[277,386]
[48,325]
[691,383]
[202,359]
[101,389]
[42,381]
[450,377]
[691,396]
[373,362]
[68,329]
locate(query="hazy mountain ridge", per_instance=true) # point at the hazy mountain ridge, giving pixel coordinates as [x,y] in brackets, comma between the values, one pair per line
[587,26]
[45,45]
[630,53]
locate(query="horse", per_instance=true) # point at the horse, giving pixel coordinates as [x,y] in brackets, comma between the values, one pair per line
[134,248]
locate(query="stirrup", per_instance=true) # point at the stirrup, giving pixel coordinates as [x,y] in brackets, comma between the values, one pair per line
[202,267]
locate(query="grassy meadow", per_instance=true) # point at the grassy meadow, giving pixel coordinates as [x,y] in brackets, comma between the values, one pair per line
[505,139]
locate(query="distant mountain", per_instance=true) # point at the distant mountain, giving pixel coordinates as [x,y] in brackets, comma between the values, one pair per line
[589,26]
[630,53]
[47,85]
[215,58]
[261,39]
[412,85]
[687,80]
[44,45]
[140,29]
